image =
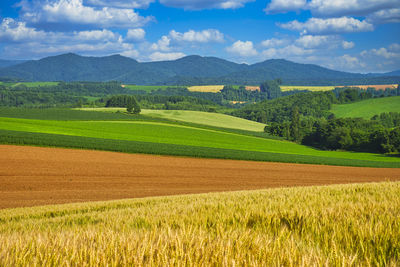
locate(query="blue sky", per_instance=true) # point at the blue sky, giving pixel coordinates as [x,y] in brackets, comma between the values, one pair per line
[349,35]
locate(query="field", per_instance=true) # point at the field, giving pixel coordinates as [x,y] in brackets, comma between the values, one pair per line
[37,176]
[368,108]
[343,225]
[31,84]
[199,117]
[148,88]
[206,88]
[309,88]
[376,86]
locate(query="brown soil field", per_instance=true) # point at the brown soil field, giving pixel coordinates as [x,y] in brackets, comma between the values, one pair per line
[253,88]
[32,176]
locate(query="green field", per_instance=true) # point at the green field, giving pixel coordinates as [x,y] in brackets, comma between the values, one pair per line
[149,88]
[367,108]
[163,137]
[198,117]
[341,225]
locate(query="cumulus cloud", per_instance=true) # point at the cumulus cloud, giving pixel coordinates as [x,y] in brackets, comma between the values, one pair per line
[244,49]
[162,44]
[347,45]
[158,56]
[15,31]
[283,6]
[385,16]
[274,42]
[205,4]
[204,36]
[329,26]
[75,12]
[329,8]
[135,35]
[313,41]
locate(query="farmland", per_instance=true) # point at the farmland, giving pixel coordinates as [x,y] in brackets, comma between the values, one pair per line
[147,88]
[368,108]
[199,117]
[336,225]
[309,88]
[206,88]
[158,136]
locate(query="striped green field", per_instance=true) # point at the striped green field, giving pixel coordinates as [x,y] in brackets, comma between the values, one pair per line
[367,108]
[183,140]
[341,225]
[198,117]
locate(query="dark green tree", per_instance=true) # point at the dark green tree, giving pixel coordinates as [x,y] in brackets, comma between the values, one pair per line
[295,125]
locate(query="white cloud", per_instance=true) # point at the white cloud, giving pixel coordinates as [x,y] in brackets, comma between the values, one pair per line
[329,26]
[274,42]
[245,49]
[282,6]
[135,35]
[385,16]
[381,52]
[332,8]
[349,7]
[289,51]
[347,45]
[158,56]
[74,12]
[96,35]
[162,44]
[204,36]
[14,31]
[119,3]
[205,4]
[312,41]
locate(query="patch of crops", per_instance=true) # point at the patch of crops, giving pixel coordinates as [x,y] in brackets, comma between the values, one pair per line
[57,140]
[342,225]
[148,88]
[367,108]
[309,88]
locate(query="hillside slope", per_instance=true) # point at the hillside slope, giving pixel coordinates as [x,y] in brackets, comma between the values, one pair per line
[367,108]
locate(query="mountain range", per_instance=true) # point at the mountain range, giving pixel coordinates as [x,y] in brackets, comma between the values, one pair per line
[184,71]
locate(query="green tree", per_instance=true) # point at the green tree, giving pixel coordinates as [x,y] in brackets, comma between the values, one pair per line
[295,125]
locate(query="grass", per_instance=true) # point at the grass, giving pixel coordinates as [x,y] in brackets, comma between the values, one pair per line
[36,84]
[188,137]
[367,108]
[342,225]
[198,117]
[310,88]
[149,88]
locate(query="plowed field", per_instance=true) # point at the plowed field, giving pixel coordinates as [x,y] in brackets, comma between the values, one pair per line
[38,176]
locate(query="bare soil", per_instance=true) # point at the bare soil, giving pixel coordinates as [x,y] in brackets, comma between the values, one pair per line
[31,176]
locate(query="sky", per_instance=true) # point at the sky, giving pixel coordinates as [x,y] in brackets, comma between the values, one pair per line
[347,35]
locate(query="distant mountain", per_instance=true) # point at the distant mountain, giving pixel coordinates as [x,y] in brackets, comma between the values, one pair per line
[8,63]
[184,71]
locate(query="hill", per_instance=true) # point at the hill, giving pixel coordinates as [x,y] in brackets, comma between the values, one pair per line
[334,225]
[190,70]
[198,117]
[8,63]
[367,108]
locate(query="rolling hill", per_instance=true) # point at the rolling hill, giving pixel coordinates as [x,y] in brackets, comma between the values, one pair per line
[190,70]
[367,108]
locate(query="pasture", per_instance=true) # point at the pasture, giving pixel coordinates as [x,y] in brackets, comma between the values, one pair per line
[163,137]
[341,225]
[367,108]
[198,117]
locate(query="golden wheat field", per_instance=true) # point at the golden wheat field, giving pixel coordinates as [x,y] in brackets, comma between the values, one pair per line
[206,88]
[341,225]
[309,88]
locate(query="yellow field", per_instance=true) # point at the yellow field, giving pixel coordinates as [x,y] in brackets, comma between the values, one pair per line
[342,225]
[310,88]
[206,88]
